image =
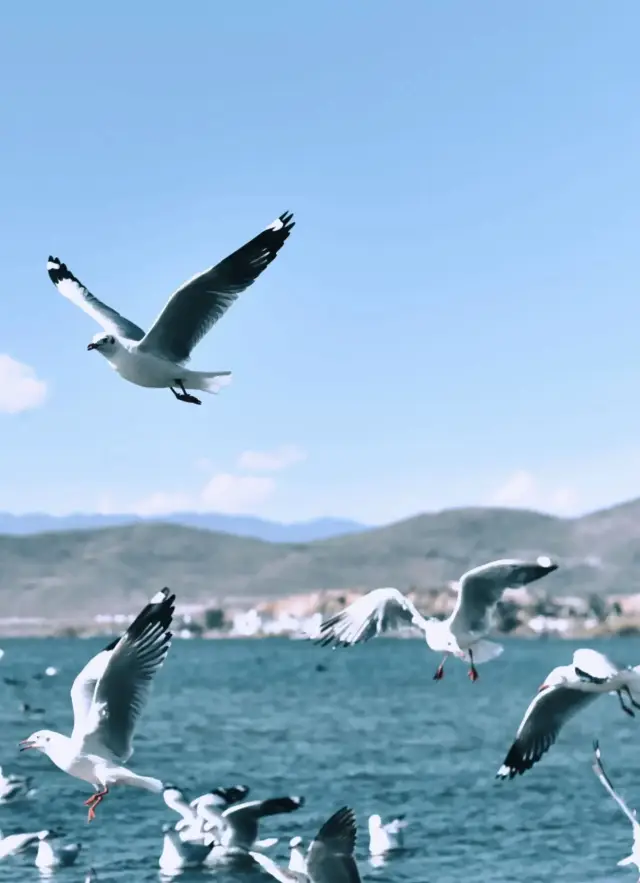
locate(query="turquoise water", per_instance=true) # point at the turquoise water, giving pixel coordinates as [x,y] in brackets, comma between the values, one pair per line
[373,731]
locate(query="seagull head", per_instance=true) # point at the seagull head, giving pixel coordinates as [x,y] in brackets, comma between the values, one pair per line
[41,740]
[104,343]
[375,822]
[49,835]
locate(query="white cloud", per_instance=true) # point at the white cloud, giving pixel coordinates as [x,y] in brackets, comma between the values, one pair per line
[271,461]
[236,494]
[162,504]
[516,491]
[233,493]
[20,387]
[523,490]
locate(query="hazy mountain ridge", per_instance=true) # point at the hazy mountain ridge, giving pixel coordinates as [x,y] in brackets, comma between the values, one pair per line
[239,525]
[116,568]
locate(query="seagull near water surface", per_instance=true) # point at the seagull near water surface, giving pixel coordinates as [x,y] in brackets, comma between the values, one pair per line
[156,359]
[598,768]
[565,691]
[108,697]
[461,634]
[329,858]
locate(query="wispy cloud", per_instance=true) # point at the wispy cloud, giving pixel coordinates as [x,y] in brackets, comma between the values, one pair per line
[20,387]
[523,490]
[271,461]
[230,492]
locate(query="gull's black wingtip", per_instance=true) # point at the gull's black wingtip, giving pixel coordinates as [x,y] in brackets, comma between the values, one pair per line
[286,219]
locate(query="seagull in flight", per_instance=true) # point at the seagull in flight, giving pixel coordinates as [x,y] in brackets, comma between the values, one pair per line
[108,697]
[235,827]
[565,691]
[461,634]
[329,858]
[634,858]
[157,359]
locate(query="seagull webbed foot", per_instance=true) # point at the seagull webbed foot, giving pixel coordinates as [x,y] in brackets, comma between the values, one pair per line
[183,395]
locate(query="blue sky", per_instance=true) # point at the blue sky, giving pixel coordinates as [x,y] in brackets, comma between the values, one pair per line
[454,319]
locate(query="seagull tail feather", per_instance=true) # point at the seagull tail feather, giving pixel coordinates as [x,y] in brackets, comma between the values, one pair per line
[484,651]
[208,381]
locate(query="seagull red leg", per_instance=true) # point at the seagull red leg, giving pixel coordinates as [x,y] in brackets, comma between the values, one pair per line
[473,672]
[440,669]
[94,801]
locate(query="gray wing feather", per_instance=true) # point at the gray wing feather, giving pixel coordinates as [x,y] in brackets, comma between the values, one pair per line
[543,720]
[381,610]
[196,306]
[122,690]
[258,809]
[481,588]
[330,856]
[71,288]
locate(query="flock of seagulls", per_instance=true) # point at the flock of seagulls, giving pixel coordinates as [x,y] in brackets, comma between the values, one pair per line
[108,696]
[222,826]
[218,827]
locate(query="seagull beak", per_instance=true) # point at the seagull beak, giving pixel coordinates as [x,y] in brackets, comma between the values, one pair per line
[92,346]
[543,687]
[26,744]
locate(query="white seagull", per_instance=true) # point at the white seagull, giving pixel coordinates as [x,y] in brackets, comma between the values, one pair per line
[297,860]
[329,858]
[52,856]
[108,697]
[157,359]
[634,858]
[565,691]
[461,634]
[13,844]
[236,828]
[179,854]
[387,837]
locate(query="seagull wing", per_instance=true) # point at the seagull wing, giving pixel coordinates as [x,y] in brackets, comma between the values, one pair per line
[551,708]
[122,689]
[283,875]
[196,306]
[330,856]
[74,290]
[594,665]
[379,611]
[222,797]
[606,781]
[481,588]
[258,809]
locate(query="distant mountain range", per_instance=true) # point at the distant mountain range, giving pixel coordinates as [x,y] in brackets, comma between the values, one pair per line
[239,525]
[86,571]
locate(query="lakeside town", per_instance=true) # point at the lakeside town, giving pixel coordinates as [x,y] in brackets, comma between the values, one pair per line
[522,612]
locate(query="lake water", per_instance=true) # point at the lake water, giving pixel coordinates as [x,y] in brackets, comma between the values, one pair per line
[373,731]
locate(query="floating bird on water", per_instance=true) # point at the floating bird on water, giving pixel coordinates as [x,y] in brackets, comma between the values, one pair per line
[329,858]
[297,860]
[634,858]
[565,691]
[156,359]
[50,855]
[108,697]
[384,838]
[461,634]
[179,854]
